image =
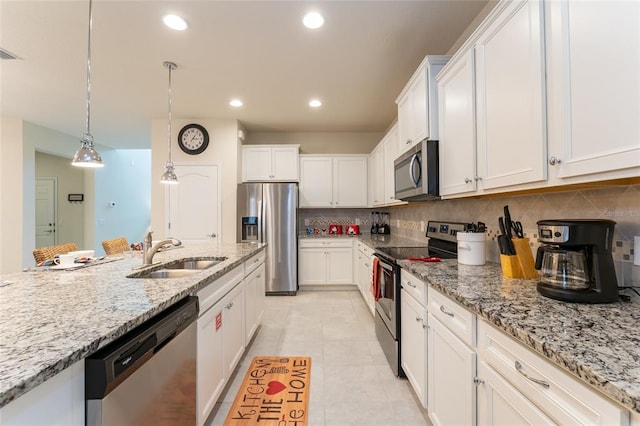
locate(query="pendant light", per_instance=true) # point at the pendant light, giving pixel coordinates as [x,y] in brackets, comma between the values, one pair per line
[87,156]
[169,176]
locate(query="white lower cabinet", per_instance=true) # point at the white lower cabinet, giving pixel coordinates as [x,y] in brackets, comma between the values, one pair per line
[451,393]
[325,261]
[499,403]
[537,382]
[413,351]
[254,294]
[221,337]
[364,268]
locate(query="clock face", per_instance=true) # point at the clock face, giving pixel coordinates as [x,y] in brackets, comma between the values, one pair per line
[193,139]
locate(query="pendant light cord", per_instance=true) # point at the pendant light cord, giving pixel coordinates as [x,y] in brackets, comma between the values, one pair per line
[88,133]
[170,66]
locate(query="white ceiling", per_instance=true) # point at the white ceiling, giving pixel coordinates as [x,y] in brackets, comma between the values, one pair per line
[255,50]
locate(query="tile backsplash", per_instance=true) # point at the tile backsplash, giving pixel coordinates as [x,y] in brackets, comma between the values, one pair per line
[618,203]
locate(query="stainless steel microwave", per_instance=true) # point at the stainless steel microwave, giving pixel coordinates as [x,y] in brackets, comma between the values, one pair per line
[416,176]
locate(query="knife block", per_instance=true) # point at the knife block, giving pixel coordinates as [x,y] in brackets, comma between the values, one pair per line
[520,265]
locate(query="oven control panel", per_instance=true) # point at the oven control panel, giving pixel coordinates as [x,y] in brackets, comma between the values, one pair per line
[445,230]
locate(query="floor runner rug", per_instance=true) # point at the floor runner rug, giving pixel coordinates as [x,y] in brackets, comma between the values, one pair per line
[275,391]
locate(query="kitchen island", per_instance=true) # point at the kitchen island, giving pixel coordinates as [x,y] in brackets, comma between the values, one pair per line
[597,343]
[51,319]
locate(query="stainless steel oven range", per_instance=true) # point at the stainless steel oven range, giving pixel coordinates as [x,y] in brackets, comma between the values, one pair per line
[442,243]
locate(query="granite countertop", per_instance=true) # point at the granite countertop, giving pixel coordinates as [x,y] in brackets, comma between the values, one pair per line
[50,319]
[598,343]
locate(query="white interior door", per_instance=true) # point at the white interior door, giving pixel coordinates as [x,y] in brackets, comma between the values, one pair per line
[192,207]
[46,208]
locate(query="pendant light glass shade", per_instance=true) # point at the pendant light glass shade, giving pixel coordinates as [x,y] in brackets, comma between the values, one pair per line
[169,177]
[87,156]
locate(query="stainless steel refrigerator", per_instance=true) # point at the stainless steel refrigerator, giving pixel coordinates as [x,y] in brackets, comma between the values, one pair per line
[268,213]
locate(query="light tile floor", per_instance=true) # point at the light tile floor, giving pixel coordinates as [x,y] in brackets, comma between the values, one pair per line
[351,381]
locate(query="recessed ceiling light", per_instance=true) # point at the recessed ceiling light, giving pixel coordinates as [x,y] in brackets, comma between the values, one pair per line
[236,103]
[174,22]
[315,103]
[313,20]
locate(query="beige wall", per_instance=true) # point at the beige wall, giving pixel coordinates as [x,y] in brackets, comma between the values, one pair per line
[321,142]
[11,189]
[70,219]
[223,149]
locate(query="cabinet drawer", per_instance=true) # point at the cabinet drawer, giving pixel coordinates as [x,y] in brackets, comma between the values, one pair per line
[325,242]
[457,319]
[562,397]
[251,264]
[209,295]
[414,286]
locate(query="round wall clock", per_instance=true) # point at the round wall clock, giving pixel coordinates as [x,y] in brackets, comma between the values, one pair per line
[193,139]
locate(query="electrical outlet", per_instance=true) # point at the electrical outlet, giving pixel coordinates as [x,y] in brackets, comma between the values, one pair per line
[397,223]
[422,226]
[306,222]
[358,221]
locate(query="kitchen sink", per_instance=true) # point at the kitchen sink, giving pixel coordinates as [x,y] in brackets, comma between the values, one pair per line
[179,268]
[194,263]
[168,273]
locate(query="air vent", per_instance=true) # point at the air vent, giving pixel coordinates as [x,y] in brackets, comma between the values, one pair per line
[5,54]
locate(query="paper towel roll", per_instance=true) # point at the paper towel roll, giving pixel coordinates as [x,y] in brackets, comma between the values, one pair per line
[636,251]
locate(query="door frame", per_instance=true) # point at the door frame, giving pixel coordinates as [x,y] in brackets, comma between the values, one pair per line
[54,179]
[167,196]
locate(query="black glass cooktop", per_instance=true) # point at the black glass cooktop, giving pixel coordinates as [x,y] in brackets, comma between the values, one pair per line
[400,253]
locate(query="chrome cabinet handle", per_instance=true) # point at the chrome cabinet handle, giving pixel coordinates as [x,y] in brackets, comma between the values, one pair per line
[478,381]
[444,311]
[467,180]
[418,319]
[408,141]
[411,285]
[534,380]
[554,161]
[212,235]
[477,178]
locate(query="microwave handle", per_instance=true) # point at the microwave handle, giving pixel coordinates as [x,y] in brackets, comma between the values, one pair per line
[413,178]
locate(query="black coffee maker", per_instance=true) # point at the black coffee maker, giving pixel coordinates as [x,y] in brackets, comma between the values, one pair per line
[575,260]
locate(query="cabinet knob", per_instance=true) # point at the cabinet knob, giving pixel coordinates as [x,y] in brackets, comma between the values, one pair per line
[408,141]
[467,180]
[478,381]
[418,319]
[554,161]
[477,178]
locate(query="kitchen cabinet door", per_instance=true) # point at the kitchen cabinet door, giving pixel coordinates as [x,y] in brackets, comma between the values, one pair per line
[233,334]
[391,152]
[510,97]
[593,64]
[254,301]
[339,263]
[377,157]
[413,326]
[501,404]
[285,163]
[457,146]
[210,365]
[266,163]
[316,181]
[312,262]
[256,163]
[405,121]
[350,181]
[451,368]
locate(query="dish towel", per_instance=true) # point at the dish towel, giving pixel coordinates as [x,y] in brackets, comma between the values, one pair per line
[375,280]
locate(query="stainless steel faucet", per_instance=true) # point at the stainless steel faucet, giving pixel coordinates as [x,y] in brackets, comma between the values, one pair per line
[149,251]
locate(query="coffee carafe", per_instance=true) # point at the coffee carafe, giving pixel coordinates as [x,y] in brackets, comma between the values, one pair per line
[375,219]
[384,227]
[575,260]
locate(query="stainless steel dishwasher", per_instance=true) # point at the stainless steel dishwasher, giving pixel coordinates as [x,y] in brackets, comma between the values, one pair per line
[147,376]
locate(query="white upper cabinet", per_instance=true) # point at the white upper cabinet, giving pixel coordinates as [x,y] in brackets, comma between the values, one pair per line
[335,181]
[418,103]
[391,152]
[510,97]
[457,146]
[492,105]
[266,163]
[378,175]
[593,68]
